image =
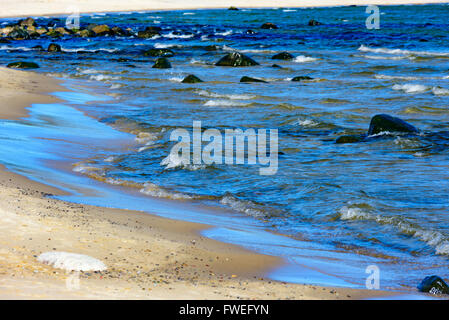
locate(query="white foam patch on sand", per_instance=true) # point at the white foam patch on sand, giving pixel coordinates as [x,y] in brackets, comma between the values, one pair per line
[71,261]
[410,88]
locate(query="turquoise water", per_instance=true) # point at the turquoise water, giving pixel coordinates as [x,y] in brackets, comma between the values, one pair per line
[343,207]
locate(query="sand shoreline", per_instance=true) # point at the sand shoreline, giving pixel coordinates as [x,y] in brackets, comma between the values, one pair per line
[148,257]
[67,7]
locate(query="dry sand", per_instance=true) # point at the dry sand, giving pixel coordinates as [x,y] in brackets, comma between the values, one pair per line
[48,7]
[148,257]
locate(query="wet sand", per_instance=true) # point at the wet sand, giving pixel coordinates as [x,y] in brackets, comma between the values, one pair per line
[148,257]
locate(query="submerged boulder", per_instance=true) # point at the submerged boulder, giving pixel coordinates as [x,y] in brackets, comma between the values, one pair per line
[162,63]
[353,138]
[191,79]
[282,56]
[18,33]
[433,284]
[314,23]
[386,123]
[101,30]
[159,53]
[27,22]
[301,78]
[23,65]
[149,32]
[236,59]
[269,25]
[249,79]
[54,47]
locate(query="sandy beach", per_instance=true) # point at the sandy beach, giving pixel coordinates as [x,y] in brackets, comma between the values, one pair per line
[48,7]
[147,257]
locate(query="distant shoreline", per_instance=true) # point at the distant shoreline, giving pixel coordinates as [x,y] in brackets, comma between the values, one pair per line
[65,7]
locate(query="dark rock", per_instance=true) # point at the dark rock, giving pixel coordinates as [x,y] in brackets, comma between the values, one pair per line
[122,60]
[4,40]
[434,285]
[149,32]
[53,23]
[385,123]
[250,32]
[159,53]
[191,79]
[249,79]
[353,138]
[236,59]
[53,33]
[233,8]
[54,47]
[211,47]
[301,78]
[23,65]
[282,56]
[18,34]
[314,23]
[86,33]
[27,22]
[120,32]
[101,30]
[39,48]
[276,66]
[162,63]
[269,25]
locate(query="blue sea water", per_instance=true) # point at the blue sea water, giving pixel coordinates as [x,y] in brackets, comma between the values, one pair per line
[340,207]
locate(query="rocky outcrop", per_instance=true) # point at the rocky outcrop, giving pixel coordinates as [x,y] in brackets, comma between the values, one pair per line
[283,56]
[159,53]
[433,284]
[23,65]
[301,78]
[269,25]
[236,59]
[191,79]
[149,32]
[54,47]
[162,63]
[249,79]
[386,123]
[314,23]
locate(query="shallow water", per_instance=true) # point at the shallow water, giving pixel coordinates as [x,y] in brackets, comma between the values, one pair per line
[381,202]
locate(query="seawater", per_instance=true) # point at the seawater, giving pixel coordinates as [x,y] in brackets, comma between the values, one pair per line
[342,207]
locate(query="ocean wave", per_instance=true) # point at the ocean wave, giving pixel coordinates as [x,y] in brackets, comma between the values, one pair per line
[171,35]
[171,161]
[209,94]
[224,103]
[411,88]
[387,77]
[302,59]
[438,91]
[243,206]
[435,239]
[166,45]
[402,52]
[159,192]
[224,33]
[102,77]
[89,50]
[307,123]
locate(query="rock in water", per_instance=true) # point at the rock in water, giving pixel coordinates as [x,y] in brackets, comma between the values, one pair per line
[353,138]
[314,23]
[434,285]
[23,65]
[249,79]
[269,25]
[162,63]
[233,8]
[27,22]
[236,59]
[282,56]
[149,32]
[191,79]
[385,123]
[53,47]
[159,53]
[300,78]
[101,30]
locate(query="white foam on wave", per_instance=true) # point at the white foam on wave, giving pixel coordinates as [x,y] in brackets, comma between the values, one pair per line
[242,206]
[302,59]
[440,91]
[71,261]
[433,238]
[88,50]
[156,191]
[209,94]
[387,77]
[410,88]
[224,103]
[102,77]
[166,46]
[224,33]
[171,35]
[307,123]
[402,52]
